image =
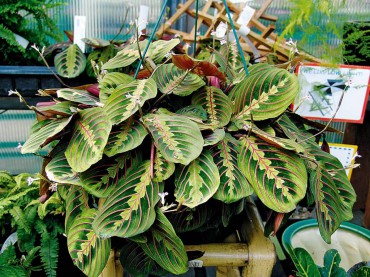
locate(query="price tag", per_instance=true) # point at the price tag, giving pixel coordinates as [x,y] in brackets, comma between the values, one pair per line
[195,263]
[79,31]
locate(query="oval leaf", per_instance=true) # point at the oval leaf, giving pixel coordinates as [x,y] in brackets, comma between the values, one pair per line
[278,177]
[88,252]
[164,246]
[174,136]
[126,99]
[137,262]
[41,136]
[127,136]
[234,186]
[76,202]
[110,82]
[96,42]
[71,62]
[217,105]
[123,58]
[58,170]
[90,135]
[171,79]
[265,93]
[163,169]
[160,48]
[214,137]
[79,96]
[129,209]
[197,182]
[102,178]
[99,56]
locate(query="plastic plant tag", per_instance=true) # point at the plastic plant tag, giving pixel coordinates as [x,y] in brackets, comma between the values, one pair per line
[79,31]
[22,41]
[143,17]
[246,15]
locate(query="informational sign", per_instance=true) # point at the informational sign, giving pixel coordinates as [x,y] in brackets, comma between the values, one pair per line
[324,89]
[345,153]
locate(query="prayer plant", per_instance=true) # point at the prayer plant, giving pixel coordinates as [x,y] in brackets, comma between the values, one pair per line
[146,159]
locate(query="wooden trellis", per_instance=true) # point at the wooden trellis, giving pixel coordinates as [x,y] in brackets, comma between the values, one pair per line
[264,40]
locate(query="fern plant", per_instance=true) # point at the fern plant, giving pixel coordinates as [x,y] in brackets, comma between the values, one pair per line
[177,149]
[16,18]
[31,232]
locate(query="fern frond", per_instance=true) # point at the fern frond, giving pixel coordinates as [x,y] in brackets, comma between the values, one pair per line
[12,271]
[49,253]
[31,256]
[20,219]
[7,256]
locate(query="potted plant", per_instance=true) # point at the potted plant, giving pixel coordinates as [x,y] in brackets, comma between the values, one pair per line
[148,156]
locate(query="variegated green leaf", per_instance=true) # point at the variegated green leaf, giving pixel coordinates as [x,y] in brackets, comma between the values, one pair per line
[197,182]
[99,56]
[230,61]
[123,58]
[217,105]
[270,138]
[335,169]
[214,137]
[64,108]
[127,136]
[194,112]
[77,95]
[333,193]
[171,79]
[234,186]
[88,252]
[90,135]
[58,170]
[164,246]
[96,42]
[110,82]
[43,133]
[129,209]
[278,177]
[126,99]
[328,208]
[265,93]
[102,178]
[159,49]
[163,169]
[190,219]
[76,202]
[71,62]
[296,131]
[137,263]
[174,136]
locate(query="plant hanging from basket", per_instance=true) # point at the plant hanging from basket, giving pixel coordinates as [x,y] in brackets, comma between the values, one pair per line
[151,155]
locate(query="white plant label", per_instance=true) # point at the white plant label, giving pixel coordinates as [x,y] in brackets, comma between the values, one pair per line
[143,17]
[21,40]
[79,31]
[221,30]
[246,15]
